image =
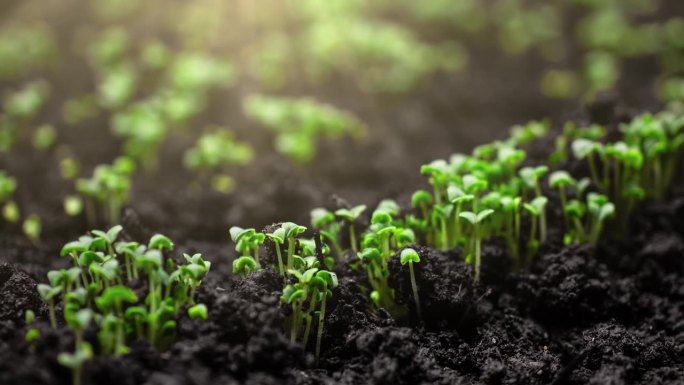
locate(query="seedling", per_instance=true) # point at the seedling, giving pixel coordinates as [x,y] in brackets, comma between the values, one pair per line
[535,209]
[292,231]
[299,123]
[476,221]
[244,265]
[73,205]
[351,216]
[8,186]
[531,177]
[32,227]
[215,152]
[108,188]
[198,311]
[44,137]
[561,180]
[75,361]
[49,293]
[410,256]
[325,221]
[247,242]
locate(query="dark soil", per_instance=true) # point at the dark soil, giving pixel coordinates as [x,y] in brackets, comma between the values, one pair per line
[613,316]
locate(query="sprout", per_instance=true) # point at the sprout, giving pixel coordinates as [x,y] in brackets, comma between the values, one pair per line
[32,227]
[351,216]
[536,209]
[48,293]
[292,231]
[531,177]
[325,221]
[44,137]
[278,237]
[561,180]
[216,151]
[600,209]
[198,311]
[8,186]
[585,149]
[476,222]
[160,242]
[299,123]
[410,256]
[247,241]
[76,360]
[73,205]
[244,265]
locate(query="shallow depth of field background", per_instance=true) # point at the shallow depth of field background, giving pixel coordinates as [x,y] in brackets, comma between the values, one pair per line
[420,79]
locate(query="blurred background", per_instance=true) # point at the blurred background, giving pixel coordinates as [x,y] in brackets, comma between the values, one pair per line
[192,116]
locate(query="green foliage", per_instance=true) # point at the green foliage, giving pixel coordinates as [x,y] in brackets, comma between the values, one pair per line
[94,291]
[107,191]
[410,256]
[299,123]
[217,151]
[8,185]
[308,297]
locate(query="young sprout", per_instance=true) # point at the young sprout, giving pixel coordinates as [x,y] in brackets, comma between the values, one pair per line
[351,216]
[535,208]
[160,242]
[73,205]
[32,227]
[476,221]
[325,221]
[8,186]
[278,237]
[76,360]
[292,231]
[531,177]
[32,334]
[586,149]
[194,272]
[244,265]
[422,199]
[49,293]
[44,137]
[600,209]
[410,256]
[561,180]
[198,311]
[247,242]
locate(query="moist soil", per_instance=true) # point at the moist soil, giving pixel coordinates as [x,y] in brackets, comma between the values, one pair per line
[613,315]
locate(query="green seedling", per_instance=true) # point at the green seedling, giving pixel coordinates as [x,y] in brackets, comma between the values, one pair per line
[75,361]
[244,265]
[476,221]
[44,137]
[247,242]
[351,216]
[216,151]
[292,231]
[600,209]
[535,209]
[562,180]
[326,222]
[194,272]
[589,150]
[49,293]
[69,168]
[299,123]
[531,177]
[198,311]
[33,227]
[410,256]
[8,185]
[73,205]
[108,188]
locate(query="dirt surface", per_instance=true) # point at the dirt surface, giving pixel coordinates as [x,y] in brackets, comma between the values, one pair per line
[613,316]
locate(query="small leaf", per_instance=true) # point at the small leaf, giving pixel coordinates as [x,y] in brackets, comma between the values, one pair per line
[198,311]
[409,255]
